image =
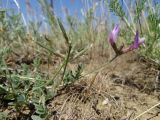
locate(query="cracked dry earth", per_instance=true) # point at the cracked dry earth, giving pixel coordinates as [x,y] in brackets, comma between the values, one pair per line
[121,91]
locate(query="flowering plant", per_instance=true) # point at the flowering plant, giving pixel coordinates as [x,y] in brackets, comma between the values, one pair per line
[121,50]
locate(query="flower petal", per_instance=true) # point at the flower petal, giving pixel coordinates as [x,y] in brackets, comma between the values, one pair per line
[114,34]
[136,41]
[135,45]
[141,41]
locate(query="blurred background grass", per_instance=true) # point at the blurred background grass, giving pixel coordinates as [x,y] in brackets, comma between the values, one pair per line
[86,22]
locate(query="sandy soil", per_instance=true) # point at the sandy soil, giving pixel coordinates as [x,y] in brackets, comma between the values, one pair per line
[121,91]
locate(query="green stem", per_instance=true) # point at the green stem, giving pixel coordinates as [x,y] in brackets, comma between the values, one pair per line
[129,13]
[54,77]
[10,80]
[66,61]
[128,25]
[102,67]
[139,21]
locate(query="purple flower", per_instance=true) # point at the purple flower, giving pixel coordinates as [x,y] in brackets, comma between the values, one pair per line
[114,34]
[137,41]
[121,50]
[135,45]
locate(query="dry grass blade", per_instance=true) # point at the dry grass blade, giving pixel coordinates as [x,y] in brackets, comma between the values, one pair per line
[146,111]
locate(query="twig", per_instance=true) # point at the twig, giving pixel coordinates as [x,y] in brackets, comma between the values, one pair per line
[99,68]
[114,58]
[146,111]
[157,82]
[154,116]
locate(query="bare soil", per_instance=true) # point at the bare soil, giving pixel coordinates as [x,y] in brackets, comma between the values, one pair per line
[121,91]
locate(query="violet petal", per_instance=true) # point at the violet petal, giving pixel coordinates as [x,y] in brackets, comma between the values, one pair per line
[114,34]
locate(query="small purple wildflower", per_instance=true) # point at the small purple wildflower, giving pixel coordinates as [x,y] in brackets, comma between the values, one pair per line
[114,34]
[136,44]
[121,50]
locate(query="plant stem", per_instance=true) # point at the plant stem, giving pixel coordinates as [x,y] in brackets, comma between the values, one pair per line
[127,23]
[58,71]
[66,61]
[129,13]
[139,21]
[146,111]
[100,68]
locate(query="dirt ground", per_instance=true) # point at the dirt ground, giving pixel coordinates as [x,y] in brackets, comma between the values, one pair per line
[121,91]
[124,89]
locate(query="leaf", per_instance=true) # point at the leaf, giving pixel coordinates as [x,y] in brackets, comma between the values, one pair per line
[35,117]
[3,90]
[71,76]
[21,98]
[3,115]
[9,97]
[2,14]
[40,109]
